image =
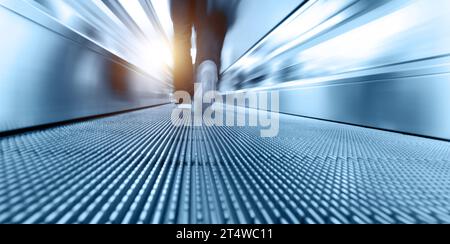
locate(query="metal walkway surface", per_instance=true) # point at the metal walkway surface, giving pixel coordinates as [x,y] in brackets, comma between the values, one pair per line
[138,168]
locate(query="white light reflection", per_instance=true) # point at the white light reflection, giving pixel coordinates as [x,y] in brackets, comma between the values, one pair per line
[153,53]
[402,31]
[137,13]
[362,45]
[162,9]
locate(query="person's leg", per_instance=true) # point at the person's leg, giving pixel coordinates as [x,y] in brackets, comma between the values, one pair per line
[211,27]
[214,38]
[183,14]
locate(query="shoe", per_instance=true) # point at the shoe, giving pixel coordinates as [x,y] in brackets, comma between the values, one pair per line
[207,76]
[172,99]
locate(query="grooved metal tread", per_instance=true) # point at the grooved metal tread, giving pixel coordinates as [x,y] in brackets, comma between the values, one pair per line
[138,168]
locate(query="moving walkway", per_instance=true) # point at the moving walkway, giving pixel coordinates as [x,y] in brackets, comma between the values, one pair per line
[87,136]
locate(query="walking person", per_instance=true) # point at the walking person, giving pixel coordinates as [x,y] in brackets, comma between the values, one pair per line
[210,19]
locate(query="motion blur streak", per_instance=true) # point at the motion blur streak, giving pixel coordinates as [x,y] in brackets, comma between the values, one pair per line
[407,31]
[103,68]
[64,60]
[387,62]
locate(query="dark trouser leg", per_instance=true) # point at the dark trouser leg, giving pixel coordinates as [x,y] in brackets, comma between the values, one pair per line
[211,29]
[183,15]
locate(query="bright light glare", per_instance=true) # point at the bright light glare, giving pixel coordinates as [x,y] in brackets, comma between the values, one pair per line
[162,9]
[153,54]
[360,45]
[134,9]
[154,57]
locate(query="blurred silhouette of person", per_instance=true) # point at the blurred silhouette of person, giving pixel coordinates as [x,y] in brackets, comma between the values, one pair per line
[211,20]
